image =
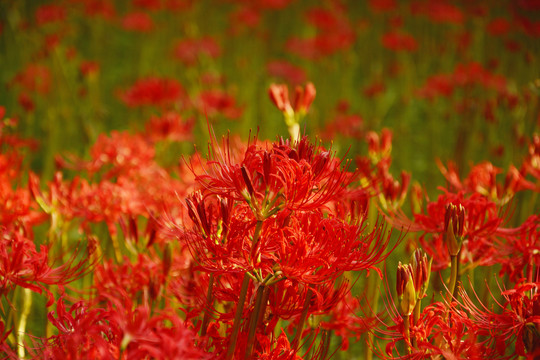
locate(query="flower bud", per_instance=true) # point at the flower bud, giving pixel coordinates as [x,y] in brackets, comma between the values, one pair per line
[279,94]
[453,228]
[304,97]
[421,271]
[405,289]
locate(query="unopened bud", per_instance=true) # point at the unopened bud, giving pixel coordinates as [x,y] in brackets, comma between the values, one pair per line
[421,271]
[405,289]
[453,228]
[279,94]
[308,95]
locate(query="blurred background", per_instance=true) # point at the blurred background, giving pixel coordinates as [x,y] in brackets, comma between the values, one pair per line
[453,80]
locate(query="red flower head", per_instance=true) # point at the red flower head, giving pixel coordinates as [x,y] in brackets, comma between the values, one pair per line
[189,51]
[138,21]
[295,177]
[474,216]
[286,71]
[153,91]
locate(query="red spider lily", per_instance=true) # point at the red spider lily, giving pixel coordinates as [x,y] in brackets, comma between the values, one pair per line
[334,33]
[518,250]
[279,94]
[26,102]
[170,126]
[142,280]
[89,68]
[474,73]
[498,26]
[189,51]
[35,78]
[481,223]
[91,203]
[344,322]
[22,265]
[464,75]
[153,91]
[4,348]
[437,85]
[376,88]
[220,242]
[50,13]
[532,162]
[379,147]
[382,5]
[94,8]
[297,177]
[441,12]
[122,151]
[141,333]
[303,252]
[417,335]
[286,71]
[17,210]
[399,41]
[272,4]
[212,102]
[482,179]
[246,18]
[412,281]
[324,44]
[120,331]
[438,330]
[83,333]
[279,349]
[343,125]
[519,322]
[391,193]
[148,4]
[454,218]
[138,21]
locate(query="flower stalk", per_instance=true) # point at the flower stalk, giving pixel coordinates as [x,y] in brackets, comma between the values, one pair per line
[453,235]
[21,328]
[255,319]
[238,317]
[209,305]
[303,318]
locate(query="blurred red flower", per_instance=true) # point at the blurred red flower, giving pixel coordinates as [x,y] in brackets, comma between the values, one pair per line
[137,21]
[498,26]
[212,102]
[286,71]
[190,50]
[50,13]
[399,41]
[153,91]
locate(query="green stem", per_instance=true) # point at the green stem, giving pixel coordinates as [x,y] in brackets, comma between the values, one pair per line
[416,318]
[263,309]
[373,293]
[256,236]
[406,333]
[209,304]
[21,328]
[303,318]
[326,337]
[238,317]
[116,249]
[254,321]
[454,276]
